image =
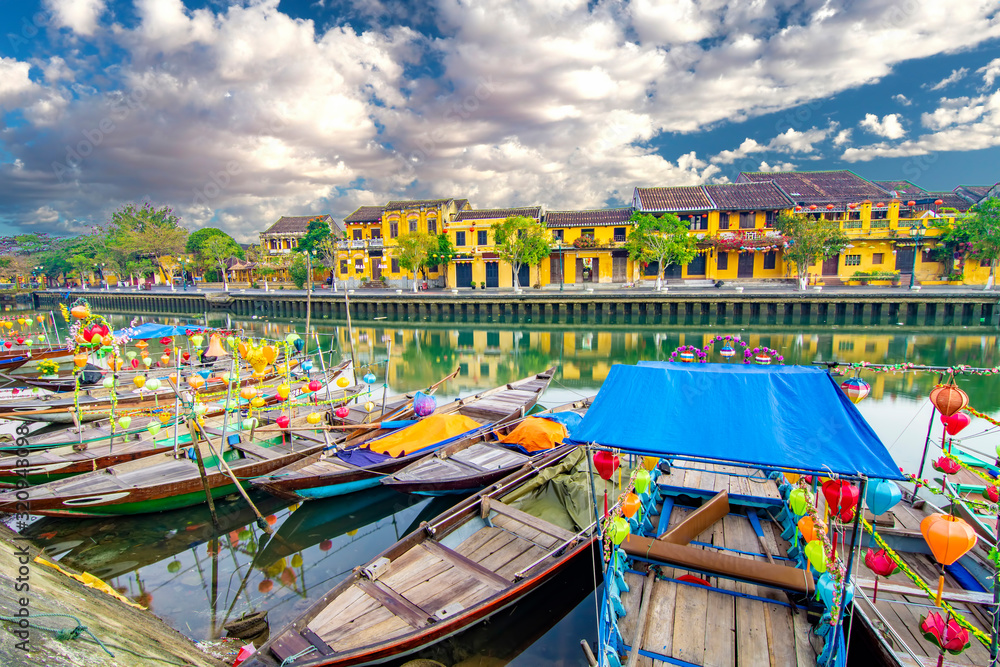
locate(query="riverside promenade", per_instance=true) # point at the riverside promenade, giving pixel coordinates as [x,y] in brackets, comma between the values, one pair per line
[680,304]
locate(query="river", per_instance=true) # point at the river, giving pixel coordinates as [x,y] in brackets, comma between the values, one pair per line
[195,580]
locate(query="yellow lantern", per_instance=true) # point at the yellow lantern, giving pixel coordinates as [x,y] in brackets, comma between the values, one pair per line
[369,406]
[313,417]
[196,382]
[258,402]
[649,462]
[342,382]
[164,417]
[139,381]
[283,391]
[80,360]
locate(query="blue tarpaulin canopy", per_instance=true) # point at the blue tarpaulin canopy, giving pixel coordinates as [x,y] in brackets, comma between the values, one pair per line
[154,330]
[772,416]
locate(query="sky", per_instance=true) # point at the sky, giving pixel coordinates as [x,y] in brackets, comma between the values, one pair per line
[235,114]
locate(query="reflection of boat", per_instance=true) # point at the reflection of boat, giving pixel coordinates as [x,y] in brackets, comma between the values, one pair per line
[470,464]
[110,547]
[484,555]
[311,523]
[967,491]
[363,460]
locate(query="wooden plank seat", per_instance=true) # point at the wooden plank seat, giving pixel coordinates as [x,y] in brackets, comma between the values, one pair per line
[266,453]
[485,456]
[540,525]
[698,520]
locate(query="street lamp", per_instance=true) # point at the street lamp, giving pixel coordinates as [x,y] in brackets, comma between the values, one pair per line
[917,234]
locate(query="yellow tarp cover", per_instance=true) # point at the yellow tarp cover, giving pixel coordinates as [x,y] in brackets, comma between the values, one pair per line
[424,433]
[90,580]
[536,434]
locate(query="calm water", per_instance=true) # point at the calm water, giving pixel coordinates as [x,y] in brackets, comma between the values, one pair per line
[196,580]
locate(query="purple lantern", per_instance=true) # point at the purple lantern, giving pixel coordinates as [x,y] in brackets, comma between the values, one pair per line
[423,404]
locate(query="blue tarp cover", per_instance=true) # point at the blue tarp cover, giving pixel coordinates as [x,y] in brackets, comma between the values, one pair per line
[154,330]
[782,416]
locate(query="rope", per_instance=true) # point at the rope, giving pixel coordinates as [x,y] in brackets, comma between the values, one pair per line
[62,635]
[292,658]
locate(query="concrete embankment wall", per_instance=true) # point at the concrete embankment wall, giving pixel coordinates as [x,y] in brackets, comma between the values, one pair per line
[885,307]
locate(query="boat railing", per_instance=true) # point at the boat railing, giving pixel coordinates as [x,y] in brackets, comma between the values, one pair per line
[886,626]
[520,574]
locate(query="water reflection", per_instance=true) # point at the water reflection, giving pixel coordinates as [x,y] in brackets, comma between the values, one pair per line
[197,577]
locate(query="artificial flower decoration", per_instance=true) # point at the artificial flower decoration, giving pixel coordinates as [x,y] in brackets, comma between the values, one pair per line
[950,636]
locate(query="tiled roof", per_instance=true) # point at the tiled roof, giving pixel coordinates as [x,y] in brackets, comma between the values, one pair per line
[682,198]
[417,203]
[903,189]
[595,218]
[761,196]
[950,199]
[820,187]
[499,213]
[365,214]
[296,224]
[973,192]
[460,203]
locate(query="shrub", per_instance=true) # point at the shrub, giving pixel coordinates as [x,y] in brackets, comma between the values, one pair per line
[585,241]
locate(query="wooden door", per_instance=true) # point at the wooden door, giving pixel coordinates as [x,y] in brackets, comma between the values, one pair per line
[745,267]
[831,266]
[905,259]
[463,274]
[556,269]
[493,274]
[619,266]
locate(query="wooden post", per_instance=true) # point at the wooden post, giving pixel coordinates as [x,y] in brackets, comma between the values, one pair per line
[350,330]
[201,471]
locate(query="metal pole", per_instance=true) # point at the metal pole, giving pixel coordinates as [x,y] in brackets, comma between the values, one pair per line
[177,398]
[54,327]
[350,331]
[995,630]
[927,442]
[305,350]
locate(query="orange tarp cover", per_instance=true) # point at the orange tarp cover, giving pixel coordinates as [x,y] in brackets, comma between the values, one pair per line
[426,432]
[536,434]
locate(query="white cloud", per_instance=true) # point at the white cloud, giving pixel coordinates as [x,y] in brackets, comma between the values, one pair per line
[960,124]
[15,81]
[889,127]
[80,16]
[843,137]
[777,166]
[902,99]
[746,148]
[990,72]
[790,141]
[955,76]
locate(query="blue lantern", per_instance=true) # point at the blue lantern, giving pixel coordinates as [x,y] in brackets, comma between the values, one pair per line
[423,404]
[369,378]
[882,495]
[686,356]
[727,351]
[825,587]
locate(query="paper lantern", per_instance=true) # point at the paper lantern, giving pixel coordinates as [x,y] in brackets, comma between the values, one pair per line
[80,312]
[956,423]
[325,545]
[164,417]
[727,351]
[856,389]
[20,340]
[215,348]
[40,318]
[291,338]
[153,428]
[342,382]
[882,495]
[130,355]
[807,528]
[911,203]
[258,402]
[135,363]
[314,417]
[41,338]
[829,207]
[798,501]
[152,384]
[938,202]
[270,353]
[991,493]
[606,463]
[949,537]
[265,586]
[80,360]
[139,381]
[840,495]
[108,382]
[283,391]
[197,339]
[241,347]
[369,378]
[125,422]
[813,207]
[199,409]
[342,412]
[798,208]
[641,481]
[880,563]
[618,530]
[949,637]
[947,465]
[816,555]
[825,588]
[949,399]
[196,382]
[763,359]
[369,406]
[846,515]
[7,344]
[423,404]
[142,345]
[686,356]
[852,206]
[630,505]
[250,423]
[165,360]
[283,421]
[147,362]
[314,385]
[248,392]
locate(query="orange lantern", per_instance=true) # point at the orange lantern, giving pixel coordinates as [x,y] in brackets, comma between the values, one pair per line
[80,312]
[807,528]
[118,363]
[164,417]
[242,347]
[270,353]
[949,399]
[165,360]
[196,382]
[215,348]
[142,345]
[630,505]
[80,360]
[248,392]
[949,538]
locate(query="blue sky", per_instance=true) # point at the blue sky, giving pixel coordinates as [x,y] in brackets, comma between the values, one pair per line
[234,114]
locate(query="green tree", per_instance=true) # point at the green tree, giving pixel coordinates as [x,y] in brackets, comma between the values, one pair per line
[413,249]
[143,231]
[983,228]
[664,240]
[298,270]
[809,240]
[197,239]
[216,251]
[317,231]
[441,255]
[519,240]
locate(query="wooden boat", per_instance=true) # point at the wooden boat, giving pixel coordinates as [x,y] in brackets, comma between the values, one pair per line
[473,463]
[155,483]
[469,563]
[96,403]
[93,433]
[356,466]
[53,464]
[11,359]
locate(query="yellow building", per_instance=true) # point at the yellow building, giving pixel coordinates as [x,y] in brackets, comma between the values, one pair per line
[360,251]
[588,247]
[477,263]
[430,216]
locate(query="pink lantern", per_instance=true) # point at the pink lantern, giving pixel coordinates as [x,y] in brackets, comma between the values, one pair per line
[342,412]
[314,385]
[283,421]
[947,465]
[956,422]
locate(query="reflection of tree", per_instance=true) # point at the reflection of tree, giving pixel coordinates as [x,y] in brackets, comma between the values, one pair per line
[428,358]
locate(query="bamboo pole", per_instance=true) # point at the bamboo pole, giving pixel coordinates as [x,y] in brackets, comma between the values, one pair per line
[350,331]
[202,474]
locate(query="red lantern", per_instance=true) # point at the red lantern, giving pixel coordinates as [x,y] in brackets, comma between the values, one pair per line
[20,340]
[840,495]
[798,208]
[265,586]
[938,202]
[342,412]
[881,565]
[606,463]
[314,385]
[326,545]
[852,206]
[186,356]
[956,423]
[88,335]
[166,340]
[880,205]
[283,421]
[947,465]
[812,207]
[949,399]
[847,514]
[829,207]
[911,203]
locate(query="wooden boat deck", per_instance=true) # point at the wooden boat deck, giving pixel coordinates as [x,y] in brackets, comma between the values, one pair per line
[480,457]
[719,625]
[707,479]
[902,611]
